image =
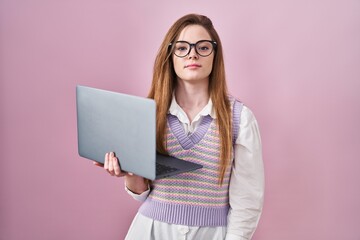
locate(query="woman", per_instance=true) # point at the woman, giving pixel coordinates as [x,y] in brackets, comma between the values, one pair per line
[198,121]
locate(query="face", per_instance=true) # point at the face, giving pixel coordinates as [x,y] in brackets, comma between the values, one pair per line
[193,67]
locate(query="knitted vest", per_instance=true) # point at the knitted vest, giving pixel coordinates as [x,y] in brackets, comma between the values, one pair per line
[193,198]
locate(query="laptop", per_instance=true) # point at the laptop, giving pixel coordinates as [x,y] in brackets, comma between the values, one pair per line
[126,125]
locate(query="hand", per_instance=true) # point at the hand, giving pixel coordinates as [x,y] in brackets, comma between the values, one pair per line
[134,183]
[111,165]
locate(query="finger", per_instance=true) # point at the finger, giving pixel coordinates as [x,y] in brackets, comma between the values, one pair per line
[111,165]
[98,164]
[117,168]
[106,161]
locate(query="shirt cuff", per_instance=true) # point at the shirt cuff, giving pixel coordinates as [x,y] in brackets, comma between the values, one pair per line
[230,236]
[139,197]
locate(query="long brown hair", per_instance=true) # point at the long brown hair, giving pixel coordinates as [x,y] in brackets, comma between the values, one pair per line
[164,83]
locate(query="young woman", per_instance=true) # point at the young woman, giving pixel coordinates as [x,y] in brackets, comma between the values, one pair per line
[198,121]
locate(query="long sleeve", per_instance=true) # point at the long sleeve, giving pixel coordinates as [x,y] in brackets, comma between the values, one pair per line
[138,197]
[246,191]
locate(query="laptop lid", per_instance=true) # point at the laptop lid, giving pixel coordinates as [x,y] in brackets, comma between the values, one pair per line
[114,122]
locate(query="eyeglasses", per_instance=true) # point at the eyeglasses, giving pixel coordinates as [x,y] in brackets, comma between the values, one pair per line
[203,48]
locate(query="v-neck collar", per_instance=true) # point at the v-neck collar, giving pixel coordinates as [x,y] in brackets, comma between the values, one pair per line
[188,141]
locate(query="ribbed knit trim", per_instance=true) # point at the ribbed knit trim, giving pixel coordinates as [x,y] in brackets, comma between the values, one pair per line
[184,214]
[237,107]
[185,141]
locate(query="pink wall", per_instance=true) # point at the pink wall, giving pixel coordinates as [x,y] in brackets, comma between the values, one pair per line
[295,64]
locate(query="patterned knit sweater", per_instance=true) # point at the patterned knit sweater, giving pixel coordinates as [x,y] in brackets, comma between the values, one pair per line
[193,198]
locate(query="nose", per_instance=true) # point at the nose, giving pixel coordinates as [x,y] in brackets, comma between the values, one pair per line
[193,53]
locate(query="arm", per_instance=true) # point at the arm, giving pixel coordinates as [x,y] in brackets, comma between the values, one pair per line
[246,191]
[139,197]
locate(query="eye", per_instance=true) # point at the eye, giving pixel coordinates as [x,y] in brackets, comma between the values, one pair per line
[181,48]
[204,46]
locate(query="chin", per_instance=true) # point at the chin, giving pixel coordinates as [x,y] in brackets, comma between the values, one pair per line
[195,79]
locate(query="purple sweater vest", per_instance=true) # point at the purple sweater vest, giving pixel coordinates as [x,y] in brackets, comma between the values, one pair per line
[193,198]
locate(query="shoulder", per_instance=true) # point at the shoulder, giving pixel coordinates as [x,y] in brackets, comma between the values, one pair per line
[236,105]
[246,115]
[248,129]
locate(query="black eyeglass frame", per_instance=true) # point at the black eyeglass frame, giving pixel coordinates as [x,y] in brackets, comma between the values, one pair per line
[193,45]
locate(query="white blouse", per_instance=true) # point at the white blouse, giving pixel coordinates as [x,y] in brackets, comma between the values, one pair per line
[246,190]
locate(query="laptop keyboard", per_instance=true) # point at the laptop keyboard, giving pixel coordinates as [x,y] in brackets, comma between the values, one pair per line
[163,169]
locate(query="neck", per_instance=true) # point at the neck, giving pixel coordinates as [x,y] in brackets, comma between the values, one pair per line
[192,97]
[192,94]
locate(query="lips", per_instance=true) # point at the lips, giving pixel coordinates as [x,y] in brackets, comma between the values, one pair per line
[193,65]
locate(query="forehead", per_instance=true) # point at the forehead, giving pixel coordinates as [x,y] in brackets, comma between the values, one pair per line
[194,33]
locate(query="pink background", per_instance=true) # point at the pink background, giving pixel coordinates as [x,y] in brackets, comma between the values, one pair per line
[294,63]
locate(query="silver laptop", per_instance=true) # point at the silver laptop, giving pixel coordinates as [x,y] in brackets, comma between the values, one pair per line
[126,125]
